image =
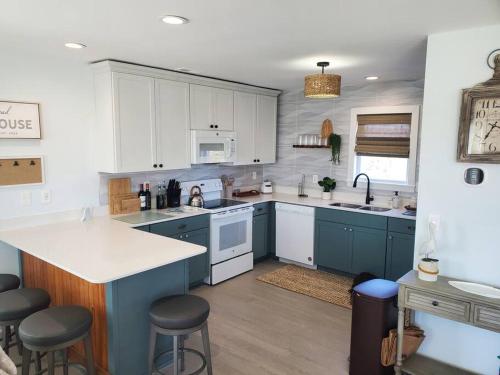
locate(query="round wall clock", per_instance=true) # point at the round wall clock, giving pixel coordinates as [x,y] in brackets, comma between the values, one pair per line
[479,132]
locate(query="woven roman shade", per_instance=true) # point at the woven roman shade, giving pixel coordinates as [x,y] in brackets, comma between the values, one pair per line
[384,135]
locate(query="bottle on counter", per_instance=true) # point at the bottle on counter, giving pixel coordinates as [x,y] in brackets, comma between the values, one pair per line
[142,197]
[396,200]
[148,196]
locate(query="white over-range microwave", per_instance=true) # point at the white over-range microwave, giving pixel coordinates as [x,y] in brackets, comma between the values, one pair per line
[210,146]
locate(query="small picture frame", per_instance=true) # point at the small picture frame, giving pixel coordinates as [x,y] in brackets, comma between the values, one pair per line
[19,120]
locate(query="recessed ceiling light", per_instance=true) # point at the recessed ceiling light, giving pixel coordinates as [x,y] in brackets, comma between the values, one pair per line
[75,45]
[174,20]
[371,78]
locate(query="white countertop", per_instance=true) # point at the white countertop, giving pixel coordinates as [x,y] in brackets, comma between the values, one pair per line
[318,202]
[101,249]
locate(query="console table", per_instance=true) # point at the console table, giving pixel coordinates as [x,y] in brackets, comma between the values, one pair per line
[441,299]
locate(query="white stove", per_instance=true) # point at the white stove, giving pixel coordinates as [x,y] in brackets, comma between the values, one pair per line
[230,230]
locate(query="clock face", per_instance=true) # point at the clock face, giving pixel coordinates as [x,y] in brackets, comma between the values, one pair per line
[484,131]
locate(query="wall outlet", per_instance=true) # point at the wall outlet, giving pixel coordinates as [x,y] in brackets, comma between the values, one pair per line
[254,175]
[45,196]
[315,178]
[26,198]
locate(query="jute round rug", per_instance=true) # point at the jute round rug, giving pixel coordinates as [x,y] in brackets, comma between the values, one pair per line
[318,284]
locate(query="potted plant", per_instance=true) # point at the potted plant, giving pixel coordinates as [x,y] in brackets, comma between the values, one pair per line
[328,184]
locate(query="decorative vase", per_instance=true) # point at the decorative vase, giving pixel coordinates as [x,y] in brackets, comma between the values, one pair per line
[428,269]
[326,195]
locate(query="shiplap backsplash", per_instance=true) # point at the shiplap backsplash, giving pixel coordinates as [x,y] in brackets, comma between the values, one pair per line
[298,115]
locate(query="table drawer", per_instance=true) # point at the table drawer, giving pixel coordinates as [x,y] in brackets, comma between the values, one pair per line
[438,305]
[487,317]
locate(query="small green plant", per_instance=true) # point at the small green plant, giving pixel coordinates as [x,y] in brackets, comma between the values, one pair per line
[335,142]
[328,184]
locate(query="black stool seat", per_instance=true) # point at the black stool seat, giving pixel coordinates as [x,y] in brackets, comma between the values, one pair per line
[55,326]
[19,303]
[8,282]
[179,312]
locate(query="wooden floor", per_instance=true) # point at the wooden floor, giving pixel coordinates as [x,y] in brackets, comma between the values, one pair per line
[257,328]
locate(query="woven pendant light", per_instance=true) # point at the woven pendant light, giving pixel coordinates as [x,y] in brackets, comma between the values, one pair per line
[322,86]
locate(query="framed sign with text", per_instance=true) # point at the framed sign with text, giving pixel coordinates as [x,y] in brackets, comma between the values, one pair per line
[19,120]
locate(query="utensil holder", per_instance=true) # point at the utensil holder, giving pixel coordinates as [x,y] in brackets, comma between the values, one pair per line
[174,198]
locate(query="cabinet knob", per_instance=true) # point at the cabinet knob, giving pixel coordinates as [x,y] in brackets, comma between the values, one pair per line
[390,237]
[309,259]
[258,160]
[216,126]
[435,303]
[186,236]
[180,236]
[345,229]
[411,228]
[255,160]
[350,229]
[161,165]
[155,165]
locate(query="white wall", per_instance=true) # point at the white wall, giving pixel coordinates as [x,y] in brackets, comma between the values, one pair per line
[64,89]
[468,241]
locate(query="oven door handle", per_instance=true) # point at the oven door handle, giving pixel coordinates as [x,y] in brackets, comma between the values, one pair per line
[220,216]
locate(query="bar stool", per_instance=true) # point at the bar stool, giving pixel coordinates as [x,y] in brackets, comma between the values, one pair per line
[56,329]
[16,305]
[8,282]
[179,316]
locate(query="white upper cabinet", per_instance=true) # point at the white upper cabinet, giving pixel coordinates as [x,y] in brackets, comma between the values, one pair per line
[172,124]
[245,117]
[211,108]
[255,126]
[265,134]
[134,119]
[144,118]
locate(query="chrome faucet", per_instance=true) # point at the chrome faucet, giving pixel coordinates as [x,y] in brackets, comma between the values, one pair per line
[369,198]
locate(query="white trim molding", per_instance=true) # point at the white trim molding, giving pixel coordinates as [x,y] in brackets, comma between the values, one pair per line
[410,186]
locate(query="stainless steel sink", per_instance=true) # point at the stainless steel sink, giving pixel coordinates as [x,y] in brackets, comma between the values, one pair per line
[345,205]
[374,209]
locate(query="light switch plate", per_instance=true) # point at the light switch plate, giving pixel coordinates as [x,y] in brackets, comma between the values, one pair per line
[254,175]
[315,178]
[45,196]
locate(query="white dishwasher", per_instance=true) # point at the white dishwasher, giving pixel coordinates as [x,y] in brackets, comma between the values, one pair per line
[295,233]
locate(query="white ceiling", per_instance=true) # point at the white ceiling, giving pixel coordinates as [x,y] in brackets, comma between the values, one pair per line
[271,43]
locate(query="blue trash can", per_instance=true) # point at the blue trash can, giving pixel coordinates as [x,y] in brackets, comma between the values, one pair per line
[374,313]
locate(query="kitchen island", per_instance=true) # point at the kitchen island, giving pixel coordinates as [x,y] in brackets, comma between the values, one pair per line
[113,270]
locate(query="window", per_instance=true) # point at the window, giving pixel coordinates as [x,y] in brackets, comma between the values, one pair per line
[383,145]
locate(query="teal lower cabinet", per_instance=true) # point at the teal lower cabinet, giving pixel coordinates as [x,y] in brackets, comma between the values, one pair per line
[368,251]
[352,243]
[194,230]
[399,257]
[260,240]
[333,246]
[272,230]
[261,229]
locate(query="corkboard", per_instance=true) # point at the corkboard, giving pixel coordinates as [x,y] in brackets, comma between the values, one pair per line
[21,171]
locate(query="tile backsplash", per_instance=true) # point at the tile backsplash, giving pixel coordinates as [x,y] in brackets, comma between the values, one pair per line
[242,175]
[298,115]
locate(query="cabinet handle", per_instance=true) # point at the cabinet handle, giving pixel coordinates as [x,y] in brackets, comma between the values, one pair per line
[182,226]
[411,228]
[435,303]
[155,165]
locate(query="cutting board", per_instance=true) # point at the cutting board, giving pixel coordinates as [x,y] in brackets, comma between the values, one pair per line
[118,186]
[124,203]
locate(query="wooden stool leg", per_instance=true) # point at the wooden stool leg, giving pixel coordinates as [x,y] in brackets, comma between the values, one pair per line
[206,348]
[152,347]
[65,362]
[176,355]
[89,355]
[51,363]
[26,361]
